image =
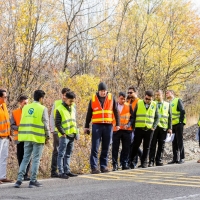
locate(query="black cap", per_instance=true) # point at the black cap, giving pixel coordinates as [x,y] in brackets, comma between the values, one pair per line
[102,86]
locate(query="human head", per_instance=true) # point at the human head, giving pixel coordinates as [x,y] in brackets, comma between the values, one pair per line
[159,95]
[169,94]
[132,92]
[64,91]
[121,98]
[148,96]
[39,96]
[3,96]
[70,98]
[102,89]
[23,100]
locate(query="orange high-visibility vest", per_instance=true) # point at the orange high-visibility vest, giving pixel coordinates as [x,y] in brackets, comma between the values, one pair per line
[133,104]
[105,114]
[4,121]
[124,118]
[17,117]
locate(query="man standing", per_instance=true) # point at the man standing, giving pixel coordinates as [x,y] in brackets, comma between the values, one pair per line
[65,122]
[123,134]
[4,136]
[15,121]
[54,131]
[34,132]
[164,126]
[100,111]
[178,121]
[145,120]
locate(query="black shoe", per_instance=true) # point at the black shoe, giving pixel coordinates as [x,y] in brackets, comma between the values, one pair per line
[181,161]
[125,167]
[26,178]
[71,174]
[144,165]
[95,171]
[151,164]
[34,184]
[139,166]
[63,175]
[172,162]
[115,167]
[104,170]
[159,164]
[17,184]
[54,175]
[132,165]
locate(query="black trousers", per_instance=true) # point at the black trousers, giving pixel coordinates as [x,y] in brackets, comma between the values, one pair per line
[145,136]
[54,153]
[20,155]
[159,137]
[125,137]
[177,144]
[135,159]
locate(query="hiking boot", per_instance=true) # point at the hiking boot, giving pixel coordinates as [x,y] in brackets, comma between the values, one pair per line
[17,184]
[104,170]
[33,184]
[95,171]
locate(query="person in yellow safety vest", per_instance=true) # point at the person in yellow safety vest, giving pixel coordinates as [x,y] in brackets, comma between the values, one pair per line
[123,134]
[34,131]
[178,121]
[160,133]
[4,136]
[145,121]
[65,122]
[54,132]
[199,135]
[14,123]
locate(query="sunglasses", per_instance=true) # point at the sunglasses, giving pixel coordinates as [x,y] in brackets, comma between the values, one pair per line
[147,99]
[129,92]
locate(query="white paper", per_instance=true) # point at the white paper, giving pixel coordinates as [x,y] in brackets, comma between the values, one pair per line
[169,137]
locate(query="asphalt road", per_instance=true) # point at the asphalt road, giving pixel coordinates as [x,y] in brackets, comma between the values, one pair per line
[170,182]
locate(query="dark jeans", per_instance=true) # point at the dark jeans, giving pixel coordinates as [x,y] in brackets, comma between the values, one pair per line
[20,155]
[159,137]
[177,144]
[101,133]
[54,153]
[140,135]
[65,149]
[125,137]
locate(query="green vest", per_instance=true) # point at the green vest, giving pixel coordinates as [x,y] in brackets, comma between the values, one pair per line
[199,122]
[164,115]
[145,117]
[31,127]
[56,104]
[68,120]
[175,113]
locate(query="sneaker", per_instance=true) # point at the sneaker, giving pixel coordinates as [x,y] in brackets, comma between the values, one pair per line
[33,184]
[63,176]
[71,174]
[95,171]
[17,184]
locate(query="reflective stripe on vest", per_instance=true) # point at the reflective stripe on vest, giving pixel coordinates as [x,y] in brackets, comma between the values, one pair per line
[4,121]
[17,117]
[68,120]
[105,114]
[175,113]
[164,115]
[124,118]
[31,127]
[145,117]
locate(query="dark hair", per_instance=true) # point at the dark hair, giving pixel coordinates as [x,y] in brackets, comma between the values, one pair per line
[22,98]
[133,88]
[64,90]
[149,93]
[1,92]
[38,94]
[122,94]
[70,95]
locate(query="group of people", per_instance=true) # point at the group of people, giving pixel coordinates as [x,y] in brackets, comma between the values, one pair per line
[128,120]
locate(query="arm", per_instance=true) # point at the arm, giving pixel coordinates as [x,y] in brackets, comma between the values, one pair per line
[134,116]
[156,119]
[170,118]
[13,124]
[180,108]
[58,123]
[52,121]
[116,113]
[131,117]
[45,119]
[89,115]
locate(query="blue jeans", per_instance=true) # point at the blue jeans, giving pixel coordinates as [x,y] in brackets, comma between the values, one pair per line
[34,149]
[65,149]
[101,133]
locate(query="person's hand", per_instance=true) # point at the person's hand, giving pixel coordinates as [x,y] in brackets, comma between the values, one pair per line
[47,140]
[117,128]
[169,131]
[126,126]
[10,138]
[152,129]
[63,135]
[87,131]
